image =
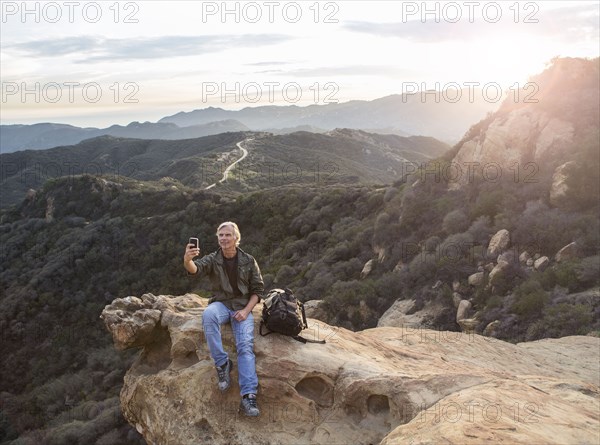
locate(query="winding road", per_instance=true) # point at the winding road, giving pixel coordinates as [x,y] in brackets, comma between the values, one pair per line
[228,169]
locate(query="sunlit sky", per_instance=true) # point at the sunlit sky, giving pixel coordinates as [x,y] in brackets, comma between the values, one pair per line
[101,63]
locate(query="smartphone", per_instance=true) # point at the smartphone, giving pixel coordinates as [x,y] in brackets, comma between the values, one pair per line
[195,242]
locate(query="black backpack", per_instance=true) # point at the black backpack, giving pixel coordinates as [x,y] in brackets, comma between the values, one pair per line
[284,314]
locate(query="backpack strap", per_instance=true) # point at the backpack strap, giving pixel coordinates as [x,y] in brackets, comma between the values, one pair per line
[260,329]
[303,314]
[306,340]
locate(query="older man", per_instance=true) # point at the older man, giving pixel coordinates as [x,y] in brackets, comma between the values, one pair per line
[238,286]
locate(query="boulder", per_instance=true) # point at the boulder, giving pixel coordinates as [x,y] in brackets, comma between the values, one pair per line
[476,279]
[456,285]
[529,262]
[490,329]
[468,325]
[499,271]
[510,256]
[368,267]
[315,309]
[498,243]
[401,266]
[541,263]
[398,315]
[378,386]
[568,252]
[456,299]
[524,257]
[463,310]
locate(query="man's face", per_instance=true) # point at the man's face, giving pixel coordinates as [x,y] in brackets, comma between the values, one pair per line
[226,237]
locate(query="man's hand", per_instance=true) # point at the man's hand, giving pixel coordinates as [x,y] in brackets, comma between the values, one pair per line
[190,253]
[241,315]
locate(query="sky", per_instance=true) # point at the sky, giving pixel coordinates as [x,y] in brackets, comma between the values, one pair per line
[109,62]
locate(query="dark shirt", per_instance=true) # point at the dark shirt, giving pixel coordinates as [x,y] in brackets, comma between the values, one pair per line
[231,268]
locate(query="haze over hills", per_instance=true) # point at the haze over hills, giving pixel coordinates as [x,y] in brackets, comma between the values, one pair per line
[413,114]
[341,156]
[403,115]
[48,135]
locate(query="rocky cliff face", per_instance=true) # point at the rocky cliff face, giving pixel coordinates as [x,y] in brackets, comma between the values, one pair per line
[535,129]
[383,385]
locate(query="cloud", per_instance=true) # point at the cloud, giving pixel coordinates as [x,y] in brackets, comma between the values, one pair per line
[93,49]
[272,63]
[571,22]
[351,70]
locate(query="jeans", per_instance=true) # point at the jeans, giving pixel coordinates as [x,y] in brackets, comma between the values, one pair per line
[214,316]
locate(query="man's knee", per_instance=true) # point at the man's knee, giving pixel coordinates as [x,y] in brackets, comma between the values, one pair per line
[210,315]
[245,347]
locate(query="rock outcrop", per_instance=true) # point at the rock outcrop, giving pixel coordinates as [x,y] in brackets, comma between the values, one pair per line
[384,385]
[559,188]
[403,314]
[499,242]
[570,251]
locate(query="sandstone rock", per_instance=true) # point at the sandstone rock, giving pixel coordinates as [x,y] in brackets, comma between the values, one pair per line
[510,256]
[314,309]
[568,252]
[400,267]
[381,385]
[498,272]
[524,257]
[541,263]
[498,243]
[396,315]
[468,325]
[49,208]
[559,188]
[491,328]
[131,322]
[367,269]
[510,140]
[456,299]
[456,285]
[489,267]
[463,310]
[476,279]
[555,134]
[530,262]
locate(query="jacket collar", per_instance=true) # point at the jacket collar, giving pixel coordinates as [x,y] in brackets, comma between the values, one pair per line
[243,257]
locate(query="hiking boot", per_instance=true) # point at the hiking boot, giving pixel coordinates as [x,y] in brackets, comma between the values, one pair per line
[223,372]
[248,406]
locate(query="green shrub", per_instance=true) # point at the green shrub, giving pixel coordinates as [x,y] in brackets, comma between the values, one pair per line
[561,320]
[454,222]
[530,299]
[588,271]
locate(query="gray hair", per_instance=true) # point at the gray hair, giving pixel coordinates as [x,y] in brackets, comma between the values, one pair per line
[236,231]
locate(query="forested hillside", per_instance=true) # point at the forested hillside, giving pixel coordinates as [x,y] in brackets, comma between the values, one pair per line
[77,242]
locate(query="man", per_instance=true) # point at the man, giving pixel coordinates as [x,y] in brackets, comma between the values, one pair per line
[238,286]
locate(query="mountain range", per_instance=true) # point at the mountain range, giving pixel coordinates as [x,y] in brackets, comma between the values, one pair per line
[403,115]
[340,156]
[48,135]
